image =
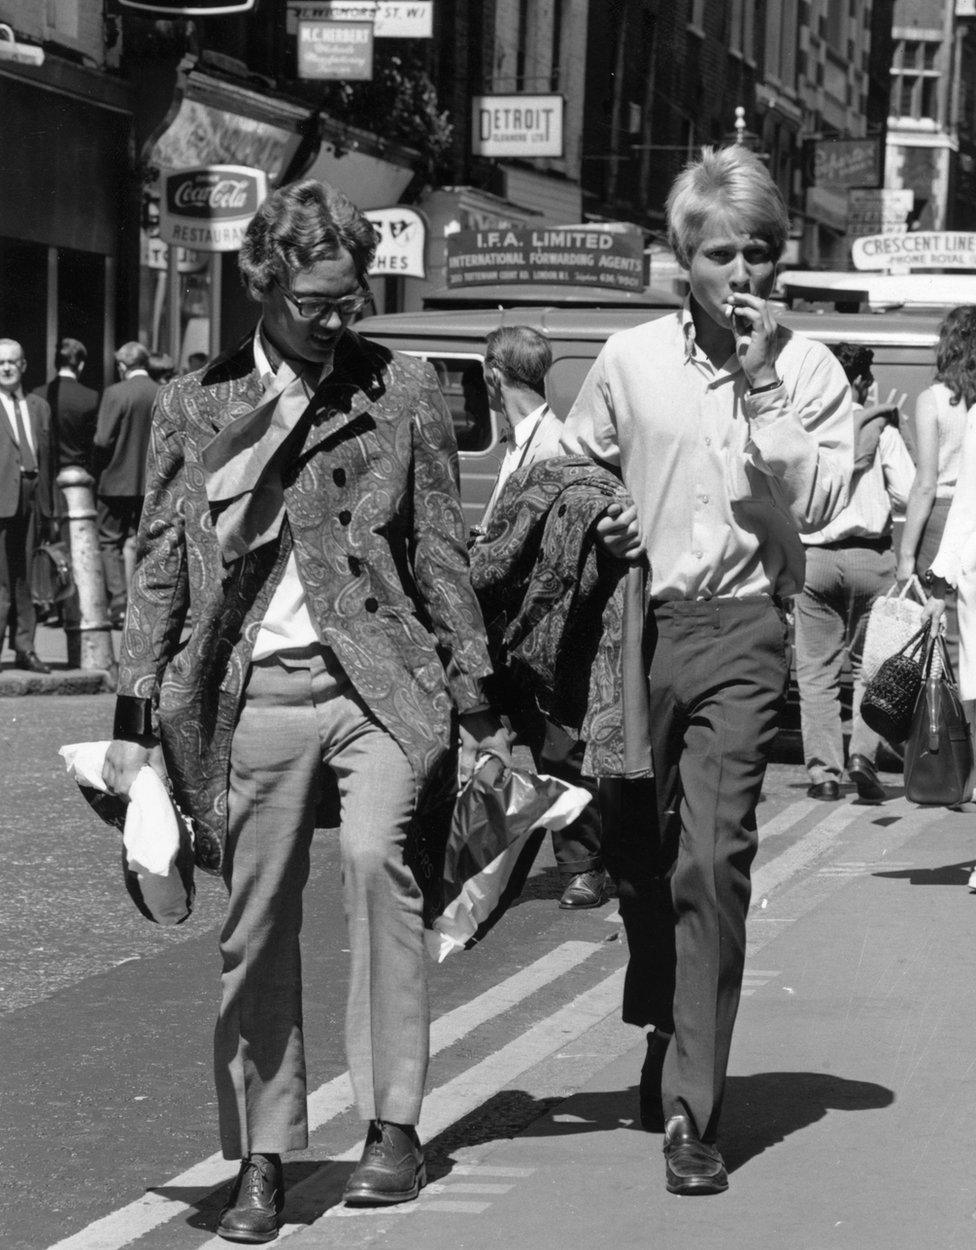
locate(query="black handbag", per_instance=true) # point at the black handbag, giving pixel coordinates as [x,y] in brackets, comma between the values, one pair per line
[51,581]
[890,696]
[939,750]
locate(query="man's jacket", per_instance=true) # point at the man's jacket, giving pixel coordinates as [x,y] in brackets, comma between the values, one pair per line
[122,436]
[374,518]
[564,619]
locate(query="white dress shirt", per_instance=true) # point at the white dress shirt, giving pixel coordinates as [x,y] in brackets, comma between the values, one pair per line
[535,437]
[724,480]
[8,406]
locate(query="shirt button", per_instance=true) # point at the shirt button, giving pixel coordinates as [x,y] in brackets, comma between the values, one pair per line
[345,516]
[339,477]
[354,566]
[708,442]
[371,605]
[704,499]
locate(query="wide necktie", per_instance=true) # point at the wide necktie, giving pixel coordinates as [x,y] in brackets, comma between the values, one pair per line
[242,466]
[28,461]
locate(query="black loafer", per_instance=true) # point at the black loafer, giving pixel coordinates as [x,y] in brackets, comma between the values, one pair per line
[651,1107]
[253,1213]
[829,791]
[691,1166]
[587,889]
[29,661]
[391,1170]
[862,772]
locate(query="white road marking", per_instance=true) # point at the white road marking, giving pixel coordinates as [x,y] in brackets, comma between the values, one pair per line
[129,1223]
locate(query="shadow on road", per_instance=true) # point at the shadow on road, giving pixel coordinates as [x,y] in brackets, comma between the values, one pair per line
[944,874]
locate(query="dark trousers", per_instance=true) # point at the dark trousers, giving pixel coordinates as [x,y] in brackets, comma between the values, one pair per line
[17,539]
[118,522]
[680,846]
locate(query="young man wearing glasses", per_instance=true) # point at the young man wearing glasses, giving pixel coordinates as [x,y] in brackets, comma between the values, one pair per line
[302,510]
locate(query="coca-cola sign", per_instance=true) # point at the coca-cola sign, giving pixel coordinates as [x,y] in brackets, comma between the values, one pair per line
[208,208]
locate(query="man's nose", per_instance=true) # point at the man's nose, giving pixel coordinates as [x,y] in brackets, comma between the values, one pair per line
[332,319]
[739,276]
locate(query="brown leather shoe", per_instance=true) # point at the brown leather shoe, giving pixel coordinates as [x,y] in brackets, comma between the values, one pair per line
[651,1107]
[391,1169]
[28,660]
[253,1211]
[691,1166]
[587,889]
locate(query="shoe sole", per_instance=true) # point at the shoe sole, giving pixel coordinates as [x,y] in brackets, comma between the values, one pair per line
[598,902]
[376,1198]
[695,1187]
[248,1239]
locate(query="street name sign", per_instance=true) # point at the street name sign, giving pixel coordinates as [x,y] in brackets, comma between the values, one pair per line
[337,51]
[390,21]
[517,125]
[567,255]
[208,208]
[921,249]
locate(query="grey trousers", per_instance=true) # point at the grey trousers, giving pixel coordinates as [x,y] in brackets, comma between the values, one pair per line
[680,846]
[301,728]
[830,616]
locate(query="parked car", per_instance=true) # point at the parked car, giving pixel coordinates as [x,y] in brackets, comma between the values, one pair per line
[452,339]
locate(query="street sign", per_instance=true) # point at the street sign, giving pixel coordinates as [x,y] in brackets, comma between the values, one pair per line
[390,21]
[208,208]
[403,237]
[878,212]
[517,125]
[335,50]
[919,249]
[567,255]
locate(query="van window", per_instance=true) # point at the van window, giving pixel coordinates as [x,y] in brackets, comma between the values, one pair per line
[463,387]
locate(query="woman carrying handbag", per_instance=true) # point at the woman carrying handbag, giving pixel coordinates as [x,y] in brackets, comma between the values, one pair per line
[955,566]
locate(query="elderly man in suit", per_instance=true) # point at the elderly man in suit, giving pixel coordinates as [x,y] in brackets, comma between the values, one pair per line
[25,497]
[121,443]
[517,359]
[302,506]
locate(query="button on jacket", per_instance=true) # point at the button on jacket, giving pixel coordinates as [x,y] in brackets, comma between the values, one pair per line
[387,585]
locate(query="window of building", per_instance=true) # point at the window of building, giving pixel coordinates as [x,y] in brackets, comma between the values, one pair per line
[915,79]
[780,42]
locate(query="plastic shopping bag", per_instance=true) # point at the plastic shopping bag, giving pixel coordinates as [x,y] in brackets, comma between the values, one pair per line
[500,818]
[157,842]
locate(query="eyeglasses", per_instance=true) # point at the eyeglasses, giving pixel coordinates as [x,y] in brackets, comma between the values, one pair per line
[313,306]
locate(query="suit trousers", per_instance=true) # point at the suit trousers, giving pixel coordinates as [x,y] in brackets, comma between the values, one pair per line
[830,615]
[17,541]
[302,729]
[680,846]
[118,523]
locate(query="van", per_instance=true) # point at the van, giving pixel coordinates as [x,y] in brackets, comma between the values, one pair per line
[452,340]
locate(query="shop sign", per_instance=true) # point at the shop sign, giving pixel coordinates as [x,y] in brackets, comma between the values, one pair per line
[517,125]
[921,249]
[203,135]
[878,212]
[390,21]
[570,255]
[154,254]
[209,208]
[189,8]
[846,162]
[403,237]
[335,50]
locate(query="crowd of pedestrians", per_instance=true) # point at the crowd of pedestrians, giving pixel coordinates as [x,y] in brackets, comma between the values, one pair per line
[304,630]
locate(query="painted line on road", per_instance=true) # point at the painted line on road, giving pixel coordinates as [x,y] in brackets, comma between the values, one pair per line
[811,846]
[129,1223]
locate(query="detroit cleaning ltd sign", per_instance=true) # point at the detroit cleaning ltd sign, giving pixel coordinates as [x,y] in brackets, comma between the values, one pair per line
[576,255]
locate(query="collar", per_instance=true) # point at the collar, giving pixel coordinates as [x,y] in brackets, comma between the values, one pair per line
[136,373]
[12,397]
[693,354]
[66,373]
[263,364]
[525,427]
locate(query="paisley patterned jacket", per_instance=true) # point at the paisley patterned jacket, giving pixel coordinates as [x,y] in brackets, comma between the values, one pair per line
[374,517]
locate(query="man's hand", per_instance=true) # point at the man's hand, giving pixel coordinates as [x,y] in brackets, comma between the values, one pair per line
[124,759]
[619,532]
[754,328]
[482,733]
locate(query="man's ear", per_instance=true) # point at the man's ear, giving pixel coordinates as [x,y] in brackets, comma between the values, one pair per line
[80,368]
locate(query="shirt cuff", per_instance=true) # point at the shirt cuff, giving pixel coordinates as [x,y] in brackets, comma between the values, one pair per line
[767,406]
[133,718]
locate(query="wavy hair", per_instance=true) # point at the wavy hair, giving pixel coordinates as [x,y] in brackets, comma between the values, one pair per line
[955,355]
[522,354]
[299,225]
[729,182]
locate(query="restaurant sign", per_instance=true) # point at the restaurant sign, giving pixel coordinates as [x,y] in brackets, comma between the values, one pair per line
[208,208]
[917,249]
[570,255]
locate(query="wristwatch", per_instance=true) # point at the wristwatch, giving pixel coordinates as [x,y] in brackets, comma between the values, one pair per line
[770,386]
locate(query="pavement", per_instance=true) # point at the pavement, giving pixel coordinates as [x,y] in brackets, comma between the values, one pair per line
[51,646]
[850,1112]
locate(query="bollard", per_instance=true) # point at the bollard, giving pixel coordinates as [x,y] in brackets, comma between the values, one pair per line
[90,634]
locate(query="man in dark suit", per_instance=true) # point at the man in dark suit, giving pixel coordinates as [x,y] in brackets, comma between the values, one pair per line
[74,408]
[25,491]
[121,442]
